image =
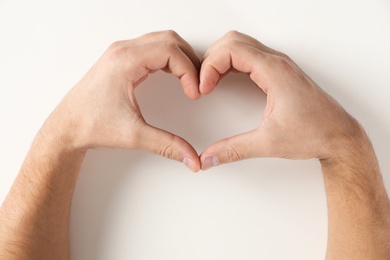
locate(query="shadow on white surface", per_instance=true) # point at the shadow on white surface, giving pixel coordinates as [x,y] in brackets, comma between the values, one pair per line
[101,174]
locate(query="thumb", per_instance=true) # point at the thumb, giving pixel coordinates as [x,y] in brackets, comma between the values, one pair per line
[169,145]
[252,144]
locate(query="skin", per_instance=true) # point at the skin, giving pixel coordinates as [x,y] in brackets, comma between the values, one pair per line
[300,121]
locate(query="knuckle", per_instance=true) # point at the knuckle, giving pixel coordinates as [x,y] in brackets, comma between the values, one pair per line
[232,154]
[167,35]
[283,61]
[115,45]
[283,55]
[170,46]
[116,51]
[166,150]
[233,34]
[288,66]
[171,34]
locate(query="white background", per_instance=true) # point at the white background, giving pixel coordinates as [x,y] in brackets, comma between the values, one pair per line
[136,205]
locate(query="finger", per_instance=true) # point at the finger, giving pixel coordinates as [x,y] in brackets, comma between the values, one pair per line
[232,55]
[170,146]
[172,37]
[236,148]
[250,41]
[164,55]
[240,37]
[229,42]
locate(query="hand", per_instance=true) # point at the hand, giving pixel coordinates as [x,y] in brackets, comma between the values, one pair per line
[300,120]
[102,110]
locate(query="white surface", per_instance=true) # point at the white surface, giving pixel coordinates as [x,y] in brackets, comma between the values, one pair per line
[135,205]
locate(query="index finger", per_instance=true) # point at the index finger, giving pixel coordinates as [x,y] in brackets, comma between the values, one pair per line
[168,57]
[161,50]
[234,50]
[171,36]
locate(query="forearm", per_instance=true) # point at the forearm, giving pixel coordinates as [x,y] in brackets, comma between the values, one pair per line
[358,206]
[34,217]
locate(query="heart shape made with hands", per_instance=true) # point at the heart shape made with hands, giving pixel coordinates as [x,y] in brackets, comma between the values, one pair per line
[126,64]
[289,128]
[219,60]
[169,52]
[235,106]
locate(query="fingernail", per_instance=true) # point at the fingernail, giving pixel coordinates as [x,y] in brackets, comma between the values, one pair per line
[209,162]
[188,163]
[200,85]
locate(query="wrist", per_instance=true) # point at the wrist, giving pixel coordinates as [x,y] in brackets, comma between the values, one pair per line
[58,138]
[350,141]
[62,130]
[352,153]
